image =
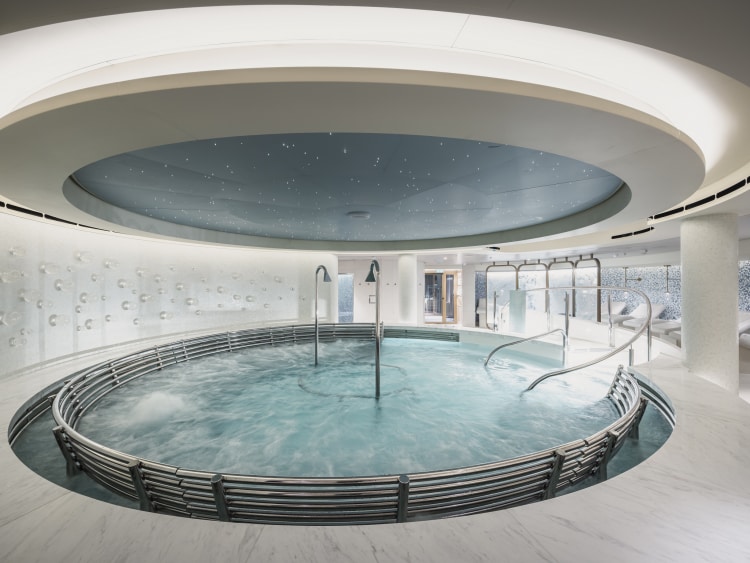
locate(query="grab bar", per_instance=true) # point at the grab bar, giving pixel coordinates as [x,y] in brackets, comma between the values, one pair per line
[646,327]
[565,343]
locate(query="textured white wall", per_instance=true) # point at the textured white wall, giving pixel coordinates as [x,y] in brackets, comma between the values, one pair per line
[468,295]
[710,298]
[68,289]
[408,299]
[364,311]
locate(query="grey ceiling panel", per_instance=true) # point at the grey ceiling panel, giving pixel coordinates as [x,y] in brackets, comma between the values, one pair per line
[348,186]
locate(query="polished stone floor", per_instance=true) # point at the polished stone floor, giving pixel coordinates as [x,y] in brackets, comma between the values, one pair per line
[690,501]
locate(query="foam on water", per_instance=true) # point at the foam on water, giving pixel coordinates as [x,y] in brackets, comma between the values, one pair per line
[269,411]
[158,407]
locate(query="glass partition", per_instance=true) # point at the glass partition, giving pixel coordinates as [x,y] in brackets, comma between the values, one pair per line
[346,298]
[561,274]
[534,276]
[587,303]
[440,296]
[501,280]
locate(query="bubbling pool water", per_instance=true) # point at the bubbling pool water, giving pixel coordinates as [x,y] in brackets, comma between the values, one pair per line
[269,411]
[158,407]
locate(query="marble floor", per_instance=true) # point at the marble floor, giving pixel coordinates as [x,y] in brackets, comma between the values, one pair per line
[745,387]
[688,502]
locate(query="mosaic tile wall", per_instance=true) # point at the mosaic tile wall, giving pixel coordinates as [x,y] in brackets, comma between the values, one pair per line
[744,285]
[652,281]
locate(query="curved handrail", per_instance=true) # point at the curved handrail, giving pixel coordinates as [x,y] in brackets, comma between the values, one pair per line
[564,335]
[335,500]
[617,350]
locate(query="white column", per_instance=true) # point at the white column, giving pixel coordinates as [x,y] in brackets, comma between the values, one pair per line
[710,298]
[468,276]
[407,289]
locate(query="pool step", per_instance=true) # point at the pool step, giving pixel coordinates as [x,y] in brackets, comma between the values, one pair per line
[422,334]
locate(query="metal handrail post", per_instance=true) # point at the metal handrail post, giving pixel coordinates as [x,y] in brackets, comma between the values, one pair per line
[635,429]
[494,313]
[402,512]
[554,476]
[609,449]
[71,467]
[618,374]
[217,488]
[548,309]
[567,316]
[134,468]
[609,319]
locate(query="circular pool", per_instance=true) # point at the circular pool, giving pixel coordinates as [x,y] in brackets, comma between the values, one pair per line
[270,411]
[250,430]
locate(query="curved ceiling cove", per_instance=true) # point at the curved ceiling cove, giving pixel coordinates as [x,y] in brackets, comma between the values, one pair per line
[348,187]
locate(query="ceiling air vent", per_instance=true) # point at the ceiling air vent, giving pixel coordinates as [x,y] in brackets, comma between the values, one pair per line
[700,202]
[24,210]
[704,201]
[730,189]
[53,218]
[668,213]
[46,216]
[642,231]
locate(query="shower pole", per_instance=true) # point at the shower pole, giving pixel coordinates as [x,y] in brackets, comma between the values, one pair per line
[374,276]
[327,279]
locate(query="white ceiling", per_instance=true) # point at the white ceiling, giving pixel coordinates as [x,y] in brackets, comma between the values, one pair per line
[674,131]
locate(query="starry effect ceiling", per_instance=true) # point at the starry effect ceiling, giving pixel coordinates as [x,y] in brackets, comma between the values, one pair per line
[347,186]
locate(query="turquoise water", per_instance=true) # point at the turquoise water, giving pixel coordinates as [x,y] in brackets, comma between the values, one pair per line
[269,411]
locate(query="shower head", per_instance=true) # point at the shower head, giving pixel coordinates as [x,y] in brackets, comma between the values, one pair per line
[374,267]
[326,277]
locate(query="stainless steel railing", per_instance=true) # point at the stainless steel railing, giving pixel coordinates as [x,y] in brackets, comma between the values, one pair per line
[645,327]
[530,338]
[353,500]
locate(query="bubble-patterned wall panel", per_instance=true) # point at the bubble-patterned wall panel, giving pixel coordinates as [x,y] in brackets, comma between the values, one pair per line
[68,289]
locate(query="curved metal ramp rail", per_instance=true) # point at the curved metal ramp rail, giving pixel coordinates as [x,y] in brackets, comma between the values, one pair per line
[645,327]
[529,339]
